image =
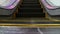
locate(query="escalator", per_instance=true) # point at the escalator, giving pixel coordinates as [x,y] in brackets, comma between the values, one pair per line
[28,11]
[30,8]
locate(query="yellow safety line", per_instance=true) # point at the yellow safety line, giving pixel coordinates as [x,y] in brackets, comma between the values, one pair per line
[34,25]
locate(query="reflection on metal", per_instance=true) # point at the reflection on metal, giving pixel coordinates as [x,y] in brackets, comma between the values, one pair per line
[19,30]
[49,30]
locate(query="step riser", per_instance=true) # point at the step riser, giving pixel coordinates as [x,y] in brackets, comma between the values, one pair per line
[33,10]
[30,0]
[29,3]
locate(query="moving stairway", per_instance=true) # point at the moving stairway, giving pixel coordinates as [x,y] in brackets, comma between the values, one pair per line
[30,8]
[22,8]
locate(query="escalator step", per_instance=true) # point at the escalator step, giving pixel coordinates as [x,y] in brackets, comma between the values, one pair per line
[30,8]
[30,0]
[30,3]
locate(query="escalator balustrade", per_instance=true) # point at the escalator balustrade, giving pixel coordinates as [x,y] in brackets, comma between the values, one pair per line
[52,9]
[8,8]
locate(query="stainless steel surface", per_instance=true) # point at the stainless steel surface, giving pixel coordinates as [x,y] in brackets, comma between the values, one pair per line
[18,30]
[6,12]
[50,30]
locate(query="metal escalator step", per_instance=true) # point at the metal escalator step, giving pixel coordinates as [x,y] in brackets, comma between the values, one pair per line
[31,12]
[30,15]
[30,2]
[30,8]
[31,5]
